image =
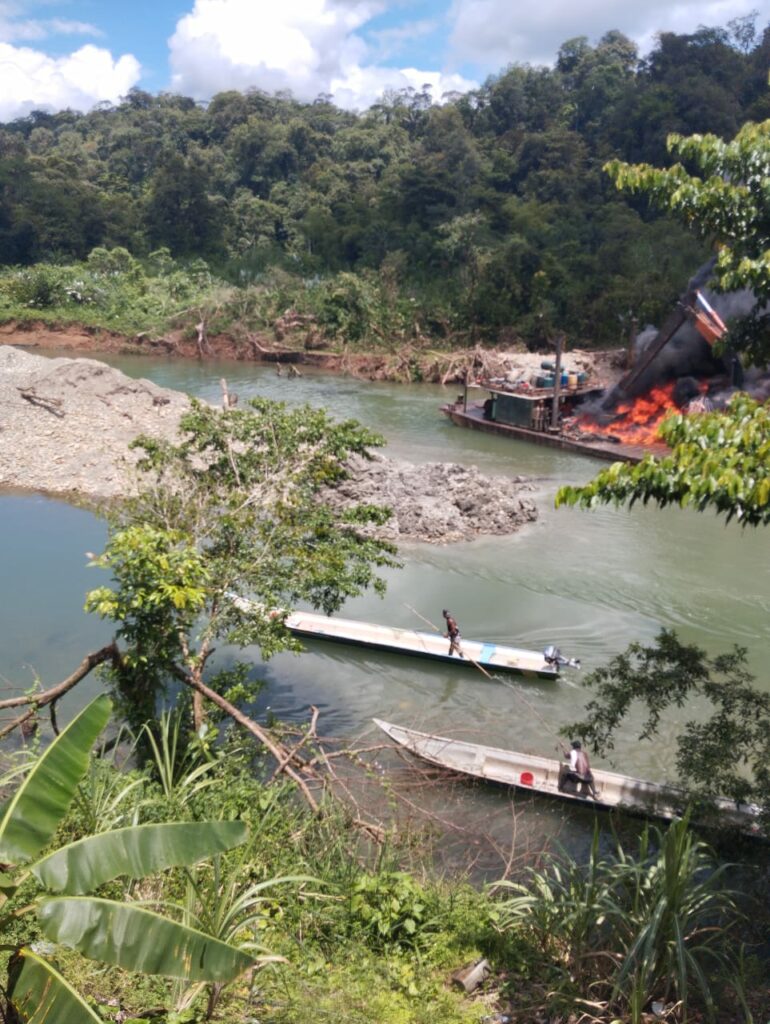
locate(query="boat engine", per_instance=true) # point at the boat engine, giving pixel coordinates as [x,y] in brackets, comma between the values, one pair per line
[553,656]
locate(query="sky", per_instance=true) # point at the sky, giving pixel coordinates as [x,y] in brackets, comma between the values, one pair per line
[78,53]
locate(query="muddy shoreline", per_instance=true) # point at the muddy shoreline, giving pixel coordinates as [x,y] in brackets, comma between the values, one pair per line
[602,367]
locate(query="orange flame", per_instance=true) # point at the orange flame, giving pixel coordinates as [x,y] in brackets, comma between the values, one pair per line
[637,421]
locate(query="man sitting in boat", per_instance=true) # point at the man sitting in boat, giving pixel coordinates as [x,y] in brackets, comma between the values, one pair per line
[452,633]
[579,768]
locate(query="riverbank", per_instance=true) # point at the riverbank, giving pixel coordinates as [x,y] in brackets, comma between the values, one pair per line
[66,426]
[408,363]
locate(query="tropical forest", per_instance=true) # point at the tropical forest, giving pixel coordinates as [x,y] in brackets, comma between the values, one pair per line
[200,821]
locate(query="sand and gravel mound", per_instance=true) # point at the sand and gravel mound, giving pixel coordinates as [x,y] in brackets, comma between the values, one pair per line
[66,426]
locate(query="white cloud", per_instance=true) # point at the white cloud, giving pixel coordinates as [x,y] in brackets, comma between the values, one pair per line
[306,46]
[494,33]
[32,30]
[389,40]
[31,80]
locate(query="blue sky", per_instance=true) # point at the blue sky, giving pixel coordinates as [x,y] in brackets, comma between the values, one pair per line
[76,53]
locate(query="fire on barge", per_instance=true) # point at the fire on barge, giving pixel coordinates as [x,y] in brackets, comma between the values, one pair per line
[564,410]
[527,415]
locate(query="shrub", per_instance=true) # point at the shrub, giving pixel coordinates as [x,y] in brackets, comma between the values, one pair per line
[624,931]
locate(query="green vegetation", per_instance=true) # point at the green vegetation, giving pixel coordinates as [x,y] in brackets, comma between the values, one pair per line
[336,929]
[729,206]
[487,217]
[726,754]
[484,219]
[719,461]
[127,935]
[232,512]
[623,931]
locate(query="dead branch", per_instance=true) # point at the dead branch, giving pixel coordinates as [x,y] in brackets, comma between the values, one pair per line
[375,832]
[229,401]
[202,340]
[276,749]
[55,692]
[291,754]
[275,352]
[52,405]
[35,701]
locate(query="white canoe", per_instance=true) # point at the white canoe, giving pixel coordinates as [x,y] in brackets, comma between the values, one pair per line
[547,776]
[490,656]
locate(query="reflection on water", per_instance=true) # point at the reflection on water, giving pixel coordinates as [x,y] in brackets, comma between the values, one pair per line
[589,582]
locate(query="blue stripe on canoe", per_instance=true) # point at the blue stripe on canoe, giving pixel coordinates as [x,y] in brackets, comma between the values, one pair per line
[487,651]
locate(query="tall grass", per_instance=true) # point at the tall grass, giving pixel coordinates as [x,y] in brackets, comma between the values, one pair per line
[622,932]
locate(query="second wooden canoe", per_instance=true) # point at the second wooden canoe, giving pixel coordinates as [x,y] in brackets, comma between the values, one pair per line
[549,777]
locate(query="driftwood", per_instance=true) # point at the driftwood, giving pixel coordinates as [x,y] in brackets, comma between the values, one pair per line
[274,353]
[229,401]
[53,405]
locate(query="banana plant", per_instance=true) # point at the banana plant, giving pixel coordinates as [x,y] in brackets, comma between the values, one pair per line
[129,935]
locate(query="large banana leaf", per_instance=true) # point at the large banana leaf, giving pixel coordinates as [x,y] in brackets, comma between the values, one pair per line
[34,811]
[42,996]
[136,852]
[139,939]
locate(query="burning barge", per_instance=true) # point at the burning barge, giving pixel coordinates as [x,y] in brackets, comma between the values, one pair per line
[564,410]
[526,415]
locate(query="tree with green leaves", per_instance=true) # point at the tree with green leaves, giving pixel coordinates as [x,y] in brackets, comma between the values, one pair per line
[112,931]
[727,203]
[229,531]
[719,461]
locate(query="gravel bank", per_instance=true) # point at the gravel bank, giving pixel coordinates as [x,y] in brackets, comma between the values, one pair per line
[65,424]
[65,427]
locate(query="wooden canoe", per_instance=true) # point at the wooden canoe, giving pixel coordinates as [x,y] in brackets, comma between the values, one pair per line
[491,657]
[547,776]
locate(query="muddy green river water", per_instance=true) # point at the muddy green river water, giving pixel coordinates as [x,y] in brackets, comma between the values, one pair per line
[588,581]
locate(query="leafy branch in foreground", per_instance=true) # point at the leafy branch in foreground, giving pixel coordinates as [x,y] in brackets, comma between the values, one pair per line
[115,932]
[728,204]
[720,460]
[728,753]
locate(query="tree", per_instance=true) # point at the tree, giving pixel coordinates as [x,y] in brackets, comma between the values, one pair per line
[729,206]
[115,932]
[180,212]
[234,510]
[719,461]
[727,754]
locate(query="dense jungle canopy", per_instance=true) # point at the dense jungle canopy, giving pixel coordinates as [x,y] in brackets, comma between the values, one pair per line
[469,213]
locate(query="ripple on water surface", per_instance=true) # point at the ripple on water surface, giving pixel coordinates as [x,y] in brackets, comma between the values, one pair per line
[591,582]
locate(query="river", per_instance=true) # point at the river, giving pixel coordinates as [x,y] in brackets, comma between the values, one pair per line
[590,582]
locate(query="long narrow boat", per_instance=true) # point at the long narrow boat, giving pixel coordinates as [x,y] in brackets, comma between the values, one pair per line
[549,777]
[490,656]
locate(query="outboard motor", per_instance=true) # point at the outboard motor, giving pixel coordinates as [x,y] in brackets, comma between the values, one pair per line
[553,656]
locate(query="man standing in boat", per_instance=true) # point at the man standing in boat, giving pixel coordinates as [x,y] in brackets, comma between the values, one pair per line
[452,633]
[580,767]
